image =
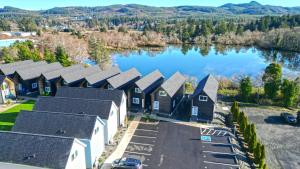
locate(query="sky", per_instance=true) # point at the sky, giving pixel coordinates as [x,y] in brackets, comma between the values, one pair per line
[47,4]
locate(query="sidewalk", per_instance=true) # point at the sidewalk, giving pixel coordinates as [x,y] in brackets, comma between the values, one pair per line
[118,153]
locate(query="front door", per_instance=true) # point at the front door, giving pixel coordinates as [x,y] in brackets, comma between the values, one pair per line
[156,105]
[195,111]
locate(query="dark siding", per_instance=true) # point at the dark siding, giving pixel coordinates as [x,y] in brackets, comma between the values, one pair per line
[133,94]
[26,85]
[164,102]
[205,109]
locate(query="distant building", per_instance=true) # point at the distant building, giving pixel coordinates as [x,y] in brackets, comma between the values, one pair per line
[204,99]
[87,128]
[140,92]
[35,151]
[168,95]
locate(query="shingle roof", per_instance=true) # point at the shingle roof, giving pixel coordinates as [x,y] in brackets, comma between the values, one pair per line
[10,68]
[99,108]
[100,76]
[91,93]
[80,74]
[56,73]
[35,150]
[173,84]
[35,72]
[148,80]
[209,85]
[123,78]
[58,124]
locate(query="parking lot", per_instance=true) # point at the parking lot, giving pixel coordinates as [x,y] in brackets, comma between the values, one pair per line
[168,145]
[281,139]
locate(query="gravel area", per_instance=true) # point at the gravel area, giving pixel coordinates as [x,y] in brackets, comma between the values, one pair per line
[281,140]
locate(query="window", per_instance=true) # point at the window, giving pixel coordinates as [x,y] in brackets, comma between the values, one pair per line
[174,103]
[48,89]
[156,105]
[111,113]
[135,100]
[203,98]
[137,90]
[34,85]
[74,155]
[162,93]
[96,130]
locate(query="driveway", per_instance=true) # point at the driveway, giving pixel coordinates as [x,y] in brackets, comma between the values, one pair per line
[281,140]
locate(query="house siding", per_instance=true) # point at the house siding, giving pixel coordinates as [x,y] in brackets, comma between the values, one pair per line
[79,162]
[140,96]
[26,85]
[123,111]
[111,125]
[205,108]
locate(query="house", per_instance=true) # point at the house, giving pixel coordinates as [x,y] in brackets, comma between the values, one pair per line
[140,93]
[48,80]
[117,96]
[75,78]
[10,68]
[26,80]
[168,95]
[7,89]
[88,129]
[99,80]
[204,99]
[106,110]
[124,80]
[24,150]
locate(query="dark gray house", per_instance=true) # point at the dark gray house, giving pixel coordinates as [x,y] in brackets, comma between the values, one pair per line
[124,80]
[26,80]
[10,68]
[117,96]
[99,80]
[75,78]
[140,92]
[168,95]
[87,128]
[204,99]
[28,151]
[48,80]
[106,110]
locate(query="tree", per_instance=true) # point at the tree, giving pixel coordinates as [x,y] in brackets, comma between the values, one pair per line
[27,25]
[235,110]
[289,92]
[241,121]
[253,142]
[62,56]
[6,56]
[221,28]
[257,153]
[4,25]
[24,52]
[262,152]
[49,56]
[245,88]
[247,133]
[98,51]
[272,80]
[36,56]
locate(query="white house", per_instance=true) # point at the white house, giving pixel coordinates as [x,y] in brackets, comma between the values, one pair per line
[117,96]
[87,128]
[24,151]
[106,110]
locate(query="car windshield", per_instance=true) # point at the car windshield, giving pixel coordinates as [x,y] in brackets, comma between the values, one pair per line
[291,117]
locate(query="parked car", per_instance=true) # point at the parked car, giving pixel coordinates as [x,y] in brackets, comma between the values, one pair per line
[289,118]
[298,117]
[127,163]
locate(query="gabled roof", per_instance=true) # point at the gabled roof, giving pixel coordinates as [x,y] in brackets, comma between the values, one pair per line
[35,150]
[208,85]
[91,93]
[173,84]
[80,74]
[100,76]
[148,80]
[99,108]
[56,73]
[10,68]
[35,72]
[58,124]
[123,78]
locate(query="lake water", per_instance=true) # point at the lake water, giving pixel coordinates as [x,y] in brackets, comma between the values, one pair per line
[8,42]
[198,61]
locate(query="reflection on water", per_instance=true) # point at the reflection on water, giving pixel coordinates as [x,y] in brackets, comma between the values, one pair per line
[197,61]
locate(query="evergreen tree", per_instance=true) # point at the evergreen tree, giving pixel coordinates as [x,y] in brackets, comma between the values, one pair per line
[247,134]
[6,56]
[221,28]
[24,52]
[36,56]
[62,56]
[49,56]
[98,52]
[245,88]
[257,153]
[241,119]
[272,80]
[253,142]
[235,110]
[289,92]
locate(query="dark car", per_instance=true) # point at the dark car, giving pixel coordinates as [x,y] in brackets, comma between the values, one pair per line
[127,163]
[289,118]
[298,117]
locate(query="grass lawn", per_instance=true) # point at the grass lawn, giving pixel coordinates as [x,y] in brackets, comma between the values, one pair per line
[8,117]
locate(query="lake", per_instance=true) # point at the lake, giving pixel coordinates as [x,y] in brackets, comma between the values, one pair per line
[195,61]
[8,42]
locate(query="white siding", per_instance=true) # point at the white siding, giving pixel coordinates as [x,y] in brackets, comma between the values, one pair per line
[123,110]
[111,125]
[97,142]
[79,161]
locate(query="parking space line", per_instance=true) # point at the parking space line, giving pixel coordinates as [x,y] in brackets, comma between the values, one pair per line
[144,136]
[147,130]
[232,165]
[143,144]
[146,165]
[132,152]
[213,152]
